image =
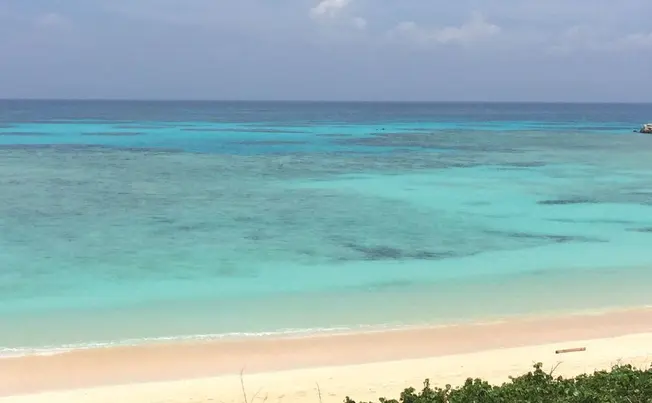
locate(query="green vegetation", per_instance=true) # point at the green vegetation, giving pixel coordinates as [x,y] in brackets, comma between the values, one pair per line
[623,384]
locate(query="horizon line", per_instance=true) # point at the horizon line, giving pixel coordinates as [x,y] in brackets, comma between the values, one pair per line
[207,100]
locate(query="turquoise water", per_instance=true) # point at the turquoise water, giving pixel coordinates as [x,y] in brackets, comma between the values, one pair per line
[127,222]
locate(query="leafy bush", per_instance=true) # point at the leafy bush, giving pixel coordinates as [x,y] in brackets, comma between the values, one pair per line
[623,384]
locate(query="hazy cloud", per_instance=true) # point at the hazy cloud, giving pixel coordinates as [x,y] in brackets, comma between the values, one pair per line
[359,22]
[585,38]
[328,8]
[334,12]
[636,41]
[477,28]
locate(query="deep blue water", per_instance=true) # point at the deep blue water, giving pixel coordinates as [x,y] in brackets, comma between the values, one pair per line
[128,221]
[29,111]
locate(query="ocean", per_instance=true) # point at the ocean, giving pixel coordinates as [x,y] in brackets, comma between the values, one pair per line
[124,222]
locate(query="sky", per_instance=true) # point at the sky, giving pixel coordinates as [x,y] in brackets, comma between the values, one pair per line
[379,50]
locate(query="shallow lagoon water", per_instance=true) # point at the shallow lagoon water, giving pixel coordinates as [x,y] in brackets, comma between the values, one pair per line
[219,220]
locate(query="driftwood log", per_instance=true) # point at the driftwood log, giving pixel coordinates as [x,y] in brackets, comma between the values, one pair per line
[571,350]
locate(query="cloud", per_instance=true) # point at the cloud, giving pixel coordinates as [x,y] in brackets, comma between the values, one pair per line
[634,41]
[637,41]
[334,11]
[585,38]
[477,28]
[359,23]
[328,8]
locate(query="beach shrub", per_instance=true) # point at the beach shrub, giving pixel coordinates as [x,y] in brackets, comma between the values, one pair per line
[623,384]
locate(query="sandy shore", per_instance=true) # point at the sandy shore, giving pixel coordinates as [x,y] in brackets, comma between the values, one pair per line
[364,366]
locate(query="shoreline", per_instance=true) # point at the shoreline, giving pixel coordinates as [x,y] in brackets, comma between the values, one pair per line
[163,362]
[299,333]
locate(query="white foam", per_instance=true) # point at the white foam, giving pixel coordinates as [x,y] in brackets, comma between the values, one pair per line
[12,352]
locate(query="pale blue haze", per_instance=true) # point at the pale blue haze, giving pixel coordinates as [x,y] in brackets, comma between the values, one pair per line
[470,50]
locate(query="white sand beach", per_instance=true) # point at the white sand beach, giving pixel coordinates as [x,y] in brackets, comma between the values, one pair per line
[330,368]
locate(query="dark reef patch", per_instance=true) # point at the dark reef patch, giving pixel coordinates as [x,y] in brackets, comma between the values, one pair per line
[307,252]
[643,229]
[506,168]
[239,130]
[141,127]
[267,142]
[23,134]
[532,164]
[193,227]
[90,147]
[263,130]
[604,221]
[640,197]
[254,237]
[199,129]
[244,219]
[546,237]
[163,220]
[58,147]
[439,141]
[561,202]
[113,134]
[333,135]
[376,253]
[392,140]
